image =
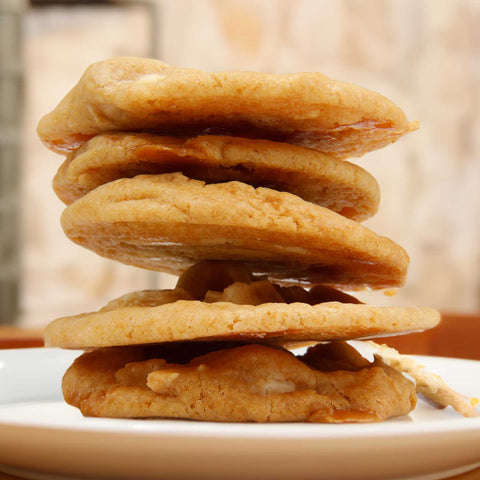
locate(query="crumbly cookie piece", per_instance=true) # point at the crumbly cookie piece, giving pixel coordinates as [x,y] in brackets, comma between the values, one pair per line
[428,383]
[251,383]
[169,222]
[234,282]
[203,276]
[268,321]
[307,109]
[316,177]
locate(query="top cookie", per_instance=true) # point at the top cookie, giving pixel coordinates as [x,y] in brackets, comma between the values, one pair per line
[306,109]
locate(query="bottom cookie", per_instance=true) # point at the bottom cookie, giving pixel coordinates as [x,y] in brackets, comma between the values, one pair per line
[331,383]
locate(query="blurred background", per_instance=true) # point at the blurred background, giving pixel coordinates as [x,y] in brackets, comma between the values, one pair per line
[423,54]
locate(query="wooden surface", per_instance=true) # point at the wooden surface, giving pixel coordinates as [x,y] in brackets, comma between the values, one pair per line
[472,475]
[456,336]
[15,337]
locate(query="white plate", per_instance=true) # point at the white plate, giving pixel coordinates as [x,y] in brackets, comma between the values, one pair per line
[42,437]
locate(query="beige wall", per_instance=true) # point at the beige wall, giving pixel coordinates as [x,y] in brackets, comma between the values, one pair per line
[421,53]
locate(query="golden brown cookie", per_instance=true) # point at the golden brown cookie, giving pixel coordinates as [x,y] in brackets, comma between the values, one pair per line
[316,177]
[156,317]
[307,109]
[168,222]
[251,383]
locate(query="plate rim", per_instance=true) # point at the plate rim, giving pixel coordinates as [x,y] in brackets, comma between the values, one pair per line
[194,429]
[305,448]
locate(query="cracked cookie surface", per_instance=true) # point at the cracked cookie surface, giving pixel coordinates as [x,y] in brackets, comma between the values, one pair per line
[168,222]
[250,383]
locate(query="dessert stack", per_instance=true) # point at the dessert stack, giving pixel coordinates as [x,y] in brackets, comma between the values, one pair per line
[236,182]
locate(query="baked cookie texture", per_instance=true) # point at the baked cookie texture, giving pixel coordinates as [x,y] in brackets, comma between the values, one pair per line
[306,109]
[319,178]
[250,383]
[224,302]
[221,301]
[169,222]
[236,182]
[195,320]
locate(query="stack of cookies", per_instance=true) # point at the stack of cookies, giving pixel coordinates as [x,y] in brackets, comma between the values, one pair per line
[237,183]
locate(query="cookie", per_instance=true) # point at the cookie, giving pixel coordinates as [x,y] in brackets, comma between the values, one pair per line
[169,316]
[169,222]
[251,383]
[306,109]
[319,178]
